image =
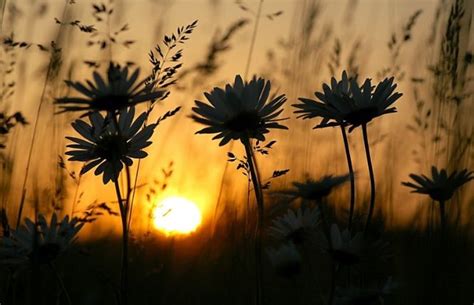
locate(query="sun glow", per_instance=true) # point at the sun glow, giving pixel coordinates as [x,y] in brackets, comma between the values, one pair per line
[176,215]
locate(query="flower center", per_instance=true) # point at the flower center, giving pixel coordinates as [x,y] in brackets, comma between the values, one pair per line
[111,147]
[361,116]
[47,252]
[110,102]
[299,236]
[244,121]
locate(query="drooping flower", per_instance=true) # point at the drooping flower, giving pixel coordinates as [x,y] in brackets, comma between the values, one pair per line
[118,91]
[239,111]
[52,240]
[285,259]
[440,186]
[108,148]
[315,189]
[296,227]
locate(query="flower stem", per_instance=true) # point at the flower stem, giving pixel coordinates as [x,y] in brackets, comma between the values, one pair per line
[442,214]
[351,174]
[371,176]
[123,206]
[61,283]
[124,266]
[260,206]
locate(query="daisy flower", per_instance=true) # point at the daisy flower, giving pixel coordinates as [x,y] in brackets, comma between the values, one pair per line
[239,111]
[331,107]
[53,239]
[117,91]
[344,248]
[285,259]
[107,148]
[440,186]
[315,190]
[296,227]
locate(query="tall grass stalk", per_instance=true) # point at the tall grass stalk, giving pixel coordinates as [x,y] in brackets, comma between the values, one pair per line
[252,162]
[49,73]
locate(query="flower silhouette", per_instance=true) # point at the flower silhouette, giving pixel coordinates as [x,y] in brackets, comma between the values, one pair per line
[108,148]
[315,190]
[285,259]
[240,111]
[296,227]
[52,240]
[344,248]
[440,186]
[344,102]
[120,90]
[331,107]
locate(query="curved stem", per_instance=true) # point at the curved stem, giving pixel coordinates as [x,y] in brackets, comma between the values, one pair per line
[371,175]
[351,174]
[260,208]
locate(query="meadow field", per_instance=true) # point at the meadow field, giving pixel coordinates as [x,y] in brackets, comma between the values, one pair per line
[237,152]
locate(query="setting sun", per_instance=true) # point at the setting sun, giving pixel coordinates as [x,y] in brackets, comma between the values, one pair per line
[176,215]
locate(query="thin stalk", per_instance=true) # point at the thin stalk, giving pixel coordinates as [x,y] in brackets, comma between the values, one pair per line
[254,38]
[76,191]
[260,206]
[371,176]
[442,214]
[35,129]
[61,283]
[124,218]
[351,174]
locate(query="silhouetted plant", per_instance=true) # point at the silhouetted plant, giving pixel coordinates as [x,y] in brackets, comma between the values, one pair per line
[440,186]
[117,92]
[7,122]
[297,227]
[241,112]
[109,143]
[286,260]
[331,116]
[40,243]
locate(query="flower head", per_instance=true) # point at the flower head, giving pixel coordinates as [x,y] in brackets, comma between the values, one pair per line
[315,189]
[285,259]
[326,109]
[344,248]
[239,111]
[51,240]
[108,148]
[440,186]
[296,227]
[347,103]
[120,90]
